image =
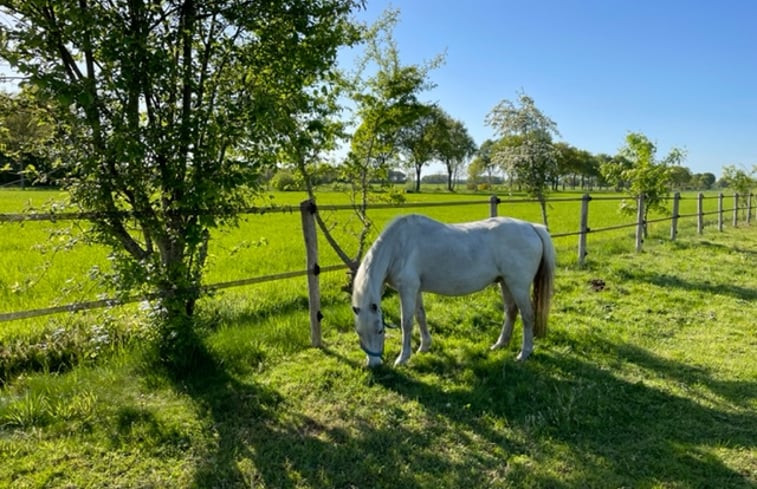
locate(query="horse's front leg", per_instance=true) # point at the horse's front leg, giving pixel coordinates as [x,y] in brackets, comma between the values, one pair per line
[407,308]
[420,315]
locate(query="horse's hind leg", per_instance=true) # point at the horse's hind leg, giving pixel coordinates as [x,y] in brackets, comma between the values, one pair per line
[523,300]
[420,315]
[511,312]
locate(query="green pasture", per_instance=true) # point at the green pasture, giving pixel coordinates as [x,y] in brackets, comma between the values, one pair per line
[646,378]
[45,264]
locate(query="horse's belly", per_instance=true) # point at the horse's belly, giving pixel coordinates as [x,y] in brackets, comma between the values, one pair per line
[446,283]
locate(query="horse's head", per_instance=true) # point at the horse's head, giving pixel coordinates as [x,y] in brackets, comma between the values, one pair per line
[369,325]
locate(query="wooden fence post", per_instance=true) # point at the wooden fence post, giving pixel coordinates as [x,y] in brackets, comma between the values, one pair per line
[749,208]
[700,213]
[735,209]
[640,222]
[720,212]
[583,229]
[307,212]
[493,203]
[674,220]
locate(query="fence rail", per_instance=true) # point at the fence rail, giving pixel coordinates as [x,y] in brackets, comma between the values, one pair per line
[307,210]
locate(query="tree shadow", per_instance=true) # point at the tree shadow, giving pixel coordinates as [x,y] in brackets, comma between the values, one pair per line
[668,281]
[261,440]
[739,393]
[601,418]
[687,245]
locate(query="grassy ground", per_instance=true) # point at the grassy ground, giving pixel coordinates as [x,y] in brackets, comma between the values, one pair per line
[646,381]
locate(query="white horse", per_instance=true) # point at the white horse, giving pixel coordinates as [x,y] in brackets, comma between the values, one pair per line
[416,254]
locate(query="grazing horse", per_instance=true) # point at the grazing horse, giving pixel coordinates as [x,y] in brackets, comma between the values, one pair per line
[416,254]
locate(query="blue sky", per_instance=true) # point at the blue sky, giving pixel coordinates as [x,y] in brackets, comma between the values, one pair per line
[684,73]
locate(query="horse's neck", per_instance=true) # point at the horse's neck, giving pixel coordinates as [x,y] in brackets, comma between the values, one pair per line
[375,269]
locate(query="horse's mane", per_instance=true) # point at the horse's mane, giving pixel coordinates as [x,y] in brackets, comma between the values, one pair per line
[370,275]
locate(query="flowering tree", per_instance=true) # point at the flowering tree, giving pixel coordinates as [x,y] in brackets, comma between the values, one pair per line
[525,150]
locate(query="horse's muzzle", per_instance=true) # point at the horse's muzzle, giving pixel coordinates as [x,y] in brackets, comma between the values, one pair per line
[374,357]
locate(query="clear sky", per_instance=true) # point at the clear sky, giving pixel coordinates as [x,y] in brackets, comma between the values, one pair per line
[684,73]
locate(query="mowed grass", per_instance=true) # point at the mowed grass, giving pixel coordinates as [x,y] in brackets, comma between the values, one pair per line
[647,377]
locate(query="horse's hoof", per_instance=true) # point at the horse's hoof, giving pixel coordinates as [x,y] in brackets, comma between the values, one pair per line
[401,361]
[498,345]
[424,348]
[522,356]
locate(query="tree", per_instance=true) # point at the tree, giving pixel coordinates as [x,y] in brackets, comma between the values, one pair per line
[739,179]
[26,134]
[614,169]
[482,162]
[418,139]
[704,180]
[172,110]
[680,177]
[452,145]
[386,102]
[645,174]
[526,150]
[573,162]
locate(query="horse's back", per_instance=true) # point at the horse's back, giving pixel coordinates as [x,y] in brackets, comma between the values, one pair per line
[461,258]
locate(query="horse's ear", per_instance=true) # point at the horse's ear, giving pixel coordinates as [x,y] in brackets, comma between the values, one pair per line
[356,310]
[374,308]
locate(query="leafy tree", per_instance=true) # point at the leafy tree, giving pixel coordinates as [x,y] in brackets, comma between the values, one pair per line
[526,150]
[680,177]
[482,163]
[573,162]
[602,160]
[739,179]
[386,102]
[645,174]
[704,181]
[418,139]
[26,133]
[172,109]
[614,170]
[452,145]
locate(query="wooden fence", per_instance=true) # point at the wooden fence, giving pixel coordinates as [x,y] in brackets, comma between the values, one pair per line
[308,210]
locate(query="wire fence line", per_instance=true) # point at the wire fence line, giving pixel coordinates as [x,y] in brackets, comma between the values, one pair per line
[314,269]
[291,209]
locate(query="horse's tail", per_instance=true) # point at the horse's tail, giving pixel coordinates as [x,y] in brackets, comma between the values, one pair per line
[543,282]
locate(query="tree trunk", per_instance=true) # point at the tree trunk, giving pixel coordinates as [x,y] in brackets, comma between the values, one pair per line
[543,205]
[178,291]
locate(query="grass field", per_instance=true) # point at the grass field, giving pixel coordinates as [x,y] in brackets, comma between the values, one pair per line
[647,382]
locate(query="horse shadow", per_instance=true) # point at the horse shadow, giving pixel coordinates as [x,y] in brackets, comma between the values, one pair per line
[599,416]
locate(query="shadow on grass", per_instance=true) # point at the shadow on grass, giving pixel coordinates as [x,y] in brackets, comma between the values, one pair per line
[699,244]
[667,281]
[618,434]
[260,441]
[613,433]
